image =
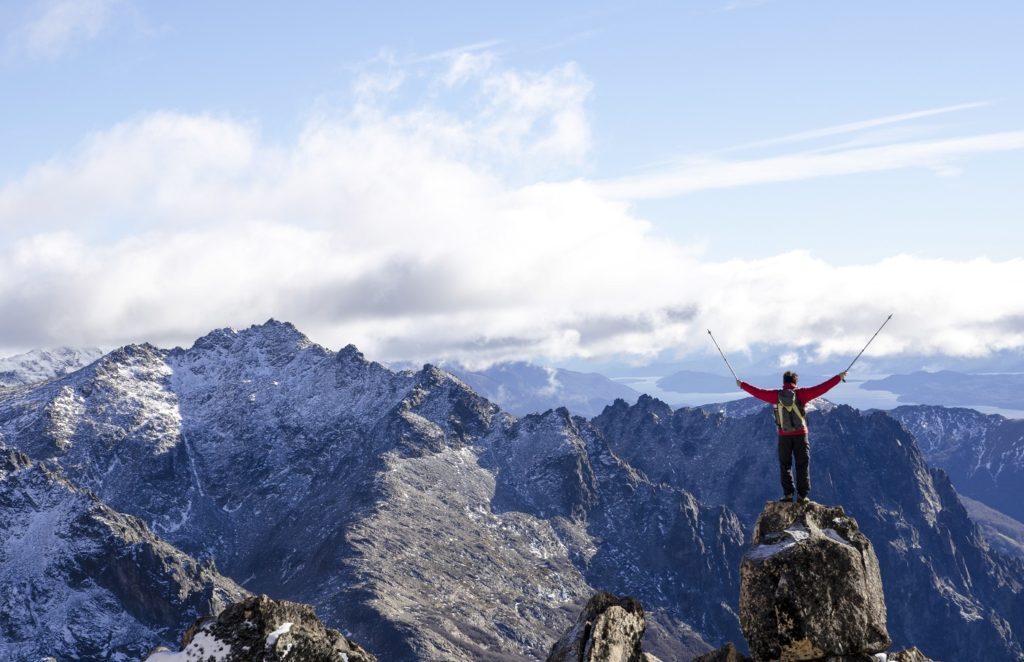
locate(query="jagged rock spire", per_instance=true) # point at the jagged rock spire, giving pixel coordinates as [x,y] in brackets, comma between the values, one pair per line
[810,586]
[609,629]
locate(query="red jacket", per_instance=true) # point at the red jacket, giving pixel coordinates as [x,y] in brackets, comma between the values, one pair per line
[803,395]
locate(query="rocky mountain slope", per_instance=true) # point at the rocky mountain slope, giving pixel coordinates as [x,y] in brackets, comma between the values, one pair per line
[402,505]
[81,581]
[1003,533]
[983,454]
[946,589]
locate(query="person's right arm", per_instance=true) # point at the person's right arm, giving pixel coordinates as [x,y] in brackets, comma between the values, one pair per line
[759,393]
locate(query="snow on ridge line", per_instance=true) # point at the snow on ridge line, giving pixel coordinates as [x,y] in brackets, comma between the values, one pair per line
[204,646]
[272,637]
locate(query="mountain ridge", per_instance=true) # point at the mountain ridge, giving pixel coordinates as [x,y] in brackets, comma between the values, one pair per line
[425,493]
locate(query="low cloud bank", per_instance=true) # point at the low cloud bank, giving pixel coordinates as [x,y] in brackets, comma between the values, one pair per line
[425,233]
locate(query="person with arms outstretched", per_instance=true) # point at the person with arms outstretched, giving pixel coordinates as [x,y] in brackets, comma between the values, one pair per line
[790,404]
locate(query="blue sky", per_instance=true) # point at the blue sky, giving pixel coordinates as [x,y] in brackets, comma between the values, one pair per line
[489,182]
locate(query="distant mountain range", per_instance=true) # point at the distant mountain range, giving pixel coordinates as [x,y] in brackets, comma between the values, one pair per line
[523,388]
[983,454]
[690,381]
[955,389]
[430,524]
[40,365]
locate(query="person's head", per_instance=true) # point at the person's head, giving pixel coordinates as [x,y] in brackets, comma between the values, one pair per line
[789,377]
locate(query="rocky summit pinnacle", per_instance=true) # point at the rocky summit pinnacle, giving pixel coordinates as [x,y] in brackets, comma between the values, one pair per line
[609,629]
[811,590]
[810,586]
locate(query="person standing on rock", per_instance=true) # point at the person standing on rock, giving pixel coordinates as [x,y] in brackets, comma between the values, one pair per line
[790,404]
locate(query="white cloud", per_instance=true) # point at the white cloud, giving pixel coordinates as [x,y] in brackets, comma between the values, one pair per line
[401,232]
[710,173]
[858,127]
[789,360]
[466,65]
[63,23]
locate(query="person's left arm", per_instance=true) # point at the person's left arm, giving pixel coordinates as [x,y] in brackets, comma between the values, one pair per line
[811,392]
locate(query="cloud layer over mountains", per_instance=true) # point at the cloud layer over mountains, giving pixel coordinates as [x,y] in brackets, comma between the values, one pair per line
[463,225]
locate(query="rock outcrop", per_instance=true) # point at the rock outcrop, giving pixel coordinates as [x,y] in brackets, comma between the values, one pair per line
[726,653]
[609,629]
[810,586]
[259,629]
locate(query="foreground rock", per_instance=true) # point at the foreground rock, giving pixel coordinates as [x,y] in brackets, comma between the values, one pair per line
[265,630]
[726,653]
[810,587]
[609,629]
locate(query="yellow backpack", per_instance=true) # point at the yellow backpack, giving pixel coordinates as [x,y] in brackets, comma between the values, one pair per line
[790,415]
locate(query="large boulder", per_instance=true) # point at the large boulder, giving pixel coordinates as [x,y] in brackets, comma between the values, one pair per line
[810,587]
[609,629]
[264,630]
[726,653]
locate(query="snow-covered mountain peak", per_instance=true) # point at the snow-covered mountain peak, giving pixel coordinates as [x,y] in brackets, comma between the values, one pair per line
[271,337]
[40,365]
[216,339]
[276,333]
[350,354]
[558,419]
[431,375]
[524,388]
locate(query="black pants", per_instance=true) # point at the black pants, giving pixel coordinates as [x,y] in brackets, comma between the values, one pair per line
[790,447]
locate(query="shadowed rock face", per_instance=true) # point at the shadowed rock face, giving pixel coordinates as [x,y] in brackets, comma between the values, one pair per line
[946,591]
[983,454]
[259,629]
[609,629]
[81,581]
[810,586]
[726,653]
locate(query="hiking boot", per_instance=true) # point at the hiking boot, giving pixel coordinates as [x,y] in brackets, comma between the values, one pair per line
[786,499]
[803,501]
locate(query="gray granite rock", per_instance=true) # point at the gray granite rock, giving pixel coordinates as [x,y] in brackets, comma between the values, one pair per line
[259,629]
[726,653]
[810,587]
[609,629]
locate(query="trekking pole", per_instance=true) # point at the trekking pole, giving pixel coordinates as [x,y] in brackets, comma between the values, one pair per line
[723,355]
[869,342]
